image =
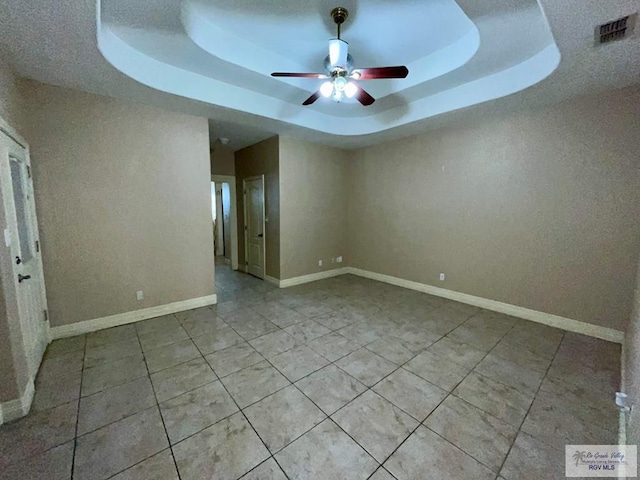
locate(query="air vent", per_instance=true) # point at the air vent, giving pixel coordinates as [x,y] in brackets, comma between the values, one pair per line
[616,30]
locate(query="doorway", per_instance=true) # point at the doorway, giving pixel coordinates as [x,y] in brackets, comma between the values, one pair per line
[254,225]
[23,278]
[223,191]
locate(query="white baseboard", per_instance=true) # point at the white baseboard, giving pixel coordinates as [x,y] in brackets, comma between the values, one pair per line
[290,282]
[568,324]
[272,280]
[95,324]
[18,408]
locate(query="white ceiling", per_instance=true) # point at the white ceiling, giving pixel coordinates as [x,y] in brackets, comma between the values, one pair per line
[213,58]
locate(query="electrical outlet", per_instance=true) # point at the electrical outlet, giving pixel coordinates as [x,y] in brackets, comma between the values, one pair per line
[339,259]
[319,263]
[139,295]
[442,277]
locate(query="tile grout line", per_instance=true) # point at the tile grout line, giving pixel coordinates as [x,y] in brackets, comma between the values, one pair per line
[75,436]
[240,410]
[157,405]
[524,419]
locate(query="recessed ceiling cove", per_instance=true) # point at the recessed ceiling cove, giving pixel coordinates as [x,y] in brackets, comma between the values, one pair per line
[459,53]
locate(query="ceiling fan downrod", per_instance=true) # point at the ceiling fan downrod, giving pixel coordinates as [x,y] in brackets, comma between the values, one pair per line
[339,15]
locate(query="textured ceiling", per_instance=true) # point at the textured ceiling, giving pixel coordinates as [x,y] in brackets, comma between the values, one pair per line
[214,58]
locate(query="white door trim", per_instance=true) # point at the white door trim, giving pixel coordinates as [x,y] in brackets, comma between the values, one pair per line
[264,229]
[233,217]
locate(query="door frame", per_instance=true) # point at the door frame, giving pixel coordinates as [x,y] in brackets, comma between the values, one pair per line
[264,221]
[14,409]
[233,215]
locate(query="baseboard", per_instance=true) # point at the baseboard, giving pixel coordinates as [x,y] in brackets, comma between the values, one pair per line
[96,324]
[272,280]
[290,282]
[568,324]
[18,408]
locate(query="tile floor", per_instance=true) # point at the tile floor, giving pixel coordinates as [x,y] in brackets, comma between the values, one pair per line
[344,378]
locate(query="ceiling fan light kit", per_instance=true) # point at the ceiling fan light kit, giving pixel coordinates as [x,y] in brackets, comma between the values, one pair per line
[340,77]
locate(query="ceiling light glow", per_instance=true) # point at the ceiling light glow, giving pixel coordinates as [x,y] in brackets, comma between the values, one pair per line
[326,89]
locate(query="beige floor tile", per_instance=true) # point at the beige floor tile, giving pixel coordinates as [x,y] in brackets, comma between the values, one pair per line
[326,453]
[274,343]
[111,374]
[114,404]
[54,464]
[279,314]
[477,338]
[520,377]
[55,385]
[456,352]
[155,340]
[267,470]
[498,399]
[226,450]
[415,396]
[474,431]
[111,352]
[254,328]
[219,340]
[307,330]
[254,383]
[427,456]
[521,357]
[201,325]
[116,447]
[111,335]
[37,432]
[333,346]
[366,366]
[64,346]
[171,355]
[437,370]
[177,380]
[335,320]
[558,420]
[393,349]
[195,410]
[282,417]
[157,325]
[233,359]
[382,474]
[530,458]
[159,467]
[376,424]
[298,362]
[330,388]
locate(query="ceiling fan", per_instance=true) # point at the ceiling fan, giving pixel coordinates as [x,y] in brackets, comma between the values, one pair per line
[341,76]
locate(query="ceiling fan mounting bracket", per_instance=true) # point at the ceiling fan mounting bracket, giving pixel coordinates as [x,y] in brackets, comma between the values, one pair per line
[339,15]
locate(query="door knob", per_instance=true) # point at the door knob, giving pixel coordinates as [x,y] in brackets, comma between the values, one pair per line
[22,278]
[261,235]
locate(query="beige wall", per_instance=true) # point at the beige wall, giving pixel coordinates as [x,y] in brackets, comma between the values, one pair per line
[261,159]
[313,207]
[123,199]
[222,160]
[10,97]
[631,368]
[538,210]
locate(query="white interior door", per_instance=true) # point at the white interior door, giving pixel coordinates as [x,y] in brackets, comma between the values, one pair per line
[21,237]
[254,225]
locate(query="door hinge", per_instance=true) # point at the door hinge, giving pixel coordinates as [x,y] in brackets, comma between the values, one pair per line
[245,227]
[246,263]
[37,245]
[46,315]
[28,171]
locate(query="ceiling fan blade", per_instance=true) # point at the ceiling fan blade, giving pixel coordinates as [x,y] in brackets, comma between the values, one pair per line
[380,72]
[301,75]
[363,96]
[312,98]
